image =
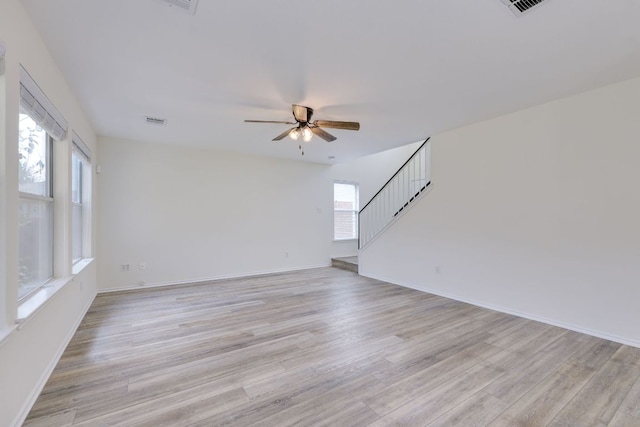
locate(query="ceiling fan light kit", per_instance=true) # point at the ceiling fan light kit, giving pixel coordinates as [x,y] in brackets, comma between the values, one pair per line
[306,134]
[294,134]
[307,128]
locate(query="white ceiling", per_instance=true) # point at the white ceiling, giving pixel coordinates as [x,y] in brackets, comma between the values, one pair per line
[405,69]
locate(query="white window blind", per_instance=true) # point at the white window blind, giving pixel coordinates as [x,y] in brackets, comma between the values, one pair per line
[36,104]
[345,210]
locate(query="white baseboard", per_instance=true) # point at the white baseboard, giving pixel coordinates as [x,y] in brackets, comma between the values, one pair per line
[196,281]
[24,412]
[506,310]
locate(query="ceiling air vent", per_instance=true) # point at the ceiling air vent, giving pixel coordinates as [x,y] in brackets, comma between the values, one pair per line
[188,5]
[155,121]
[518,7]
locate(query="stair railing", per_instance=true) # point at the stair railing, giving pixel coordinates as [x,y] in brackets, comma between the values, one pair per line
[405,185]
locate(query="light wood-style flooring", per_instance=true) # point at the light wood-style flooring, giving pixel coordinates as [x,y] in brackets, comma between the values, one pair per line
[326,347]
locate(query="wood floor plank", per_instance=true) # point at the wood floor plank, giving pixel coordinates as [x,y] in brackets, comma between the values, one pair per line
[631,403]
[178,409]
[479,410]
[516,334]
[426,408]
[542,403]
[518,380]
[59,419]
[403,390]
[311,392]
[357,414]
[623,420]
[627,355]
[332,407]
[598,401]
[328,347]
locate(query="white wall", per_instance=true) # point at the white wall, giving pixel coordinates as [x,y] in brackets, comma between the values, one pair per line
[194,214]
[371,173]
[29,353]
[534,213]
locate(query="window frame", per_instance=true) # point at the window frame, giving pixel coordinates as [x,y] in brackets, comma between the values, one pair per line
[48,198]
[80,152]
[355,210]
[76,206]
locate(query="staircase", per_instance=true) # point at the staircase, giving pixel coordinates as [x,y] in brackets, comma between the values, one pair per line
[404,187]
[349,263]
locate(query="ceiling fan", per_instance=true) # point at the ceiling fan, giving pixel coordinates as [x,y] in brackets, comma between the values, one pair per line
[307,128]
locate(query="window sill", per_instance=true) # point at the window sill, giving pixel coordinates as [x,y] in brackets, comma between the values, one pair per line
[354,239]
[80,265]
[34,303]
[30,306]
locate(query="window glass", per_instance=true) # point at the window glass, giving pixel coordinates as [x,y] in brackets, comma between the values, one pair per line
[33,155]
[77,167]
[345,211]
[35,227]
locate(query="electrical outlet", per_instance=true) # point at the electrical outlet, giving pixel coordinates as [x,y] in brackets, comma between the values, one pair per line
[125,267]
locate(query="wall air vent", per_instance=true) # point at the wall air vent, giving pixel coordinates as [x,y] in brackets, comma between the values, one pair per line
[155,121]
[188,5]
[518,7]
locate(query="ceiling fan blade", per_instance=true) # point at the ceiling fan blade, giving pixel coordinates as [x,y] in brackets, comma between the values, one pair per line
[337,125]
[269,121]
[283,135]
[322,134]
[302,113]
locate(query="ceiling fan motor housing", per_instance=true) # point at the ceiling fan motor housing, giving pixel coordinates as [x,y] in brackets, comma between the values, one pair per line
[302,114]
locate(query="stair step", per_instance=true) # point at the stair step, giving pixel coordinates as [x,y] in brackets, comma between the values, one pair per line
[346,263]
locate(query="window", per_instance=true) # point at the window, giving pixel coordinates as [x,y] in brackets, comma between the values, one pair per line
[76,200]
[345,210]
[35,229]
[80,196]
[39,124]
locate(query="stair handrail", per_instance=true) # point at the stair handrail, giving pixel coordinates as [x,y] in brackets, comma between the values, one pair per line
[400,169]
[394,175]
